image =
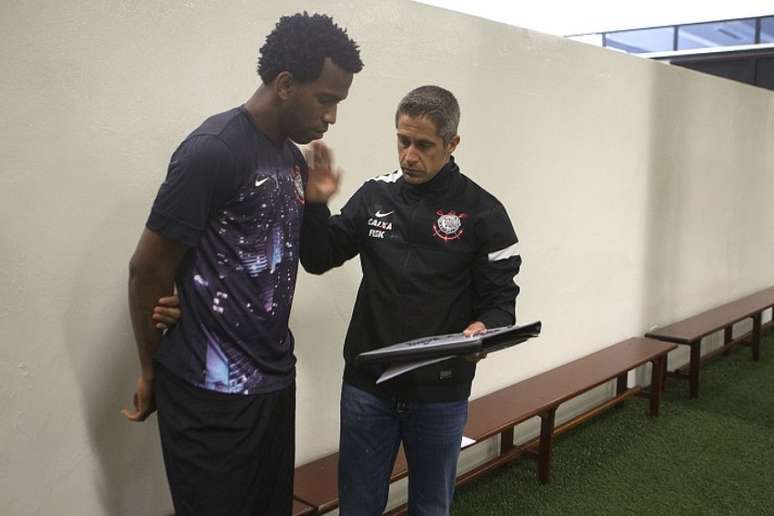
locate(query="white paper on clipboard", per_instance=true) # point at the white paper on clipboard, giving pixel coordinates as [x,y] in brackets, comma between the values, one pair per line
[399,369]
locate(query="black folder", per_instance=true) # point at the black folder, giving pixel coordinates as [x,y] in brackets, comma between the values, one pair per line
[453,344]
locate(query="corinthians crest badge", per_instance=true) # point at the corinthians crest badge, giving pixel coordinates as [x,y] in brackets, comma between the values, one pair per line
[449,225]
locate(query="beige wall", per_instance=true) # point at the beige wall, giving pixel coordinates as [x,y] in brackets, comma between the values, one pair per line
[641,193]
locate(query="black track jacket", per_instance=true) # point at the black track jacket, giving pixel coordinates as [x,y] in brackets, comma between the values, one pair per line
[435,257]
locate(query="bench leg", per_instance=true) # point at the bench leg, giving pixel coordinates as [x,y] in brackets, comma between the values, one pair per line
[506,441]
[656,384]
[727,339]
[620,387]
[693,366]
[756,337]
[546,445]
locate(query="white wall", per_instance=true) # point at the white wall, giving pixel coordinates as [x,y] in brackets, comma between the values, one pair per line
[641,194]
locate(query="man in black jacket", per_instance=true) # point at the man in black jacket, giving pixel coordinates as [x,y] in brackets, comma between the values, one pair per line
[438,255]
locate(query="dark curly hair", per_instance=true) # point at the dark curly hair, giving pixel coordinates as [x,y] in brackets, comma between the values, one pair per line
[300,43]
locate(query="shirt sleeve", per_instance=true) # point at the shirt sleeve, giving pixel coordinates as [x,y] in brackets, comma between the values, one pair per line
[201,178]
[497,263]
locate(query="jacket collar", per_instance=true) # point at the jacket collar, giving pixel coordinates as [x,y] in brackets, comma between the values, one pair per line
[440,183]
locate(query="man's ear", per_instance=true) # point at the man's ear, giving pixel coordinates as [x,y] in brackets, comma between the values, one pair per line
[285,85]
[453,143]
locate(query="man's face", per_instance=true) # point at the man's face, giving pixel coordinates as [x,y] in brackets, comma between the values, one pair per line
[421,151]
[311,107]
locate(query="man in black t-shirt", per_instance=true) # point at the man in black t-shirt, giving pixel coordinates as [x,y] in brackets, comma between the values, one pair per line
[224,230]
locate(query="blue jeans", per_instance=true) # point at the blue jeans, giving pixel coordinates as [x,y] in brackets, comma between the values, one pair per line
[372,428]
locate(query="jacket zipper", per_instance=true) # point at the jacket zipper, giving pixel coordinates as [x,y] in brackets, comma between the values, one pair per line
[410,239]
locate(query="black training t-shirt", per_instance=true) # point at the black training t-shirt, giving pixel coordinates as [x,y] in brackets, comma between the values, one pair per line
[236,200]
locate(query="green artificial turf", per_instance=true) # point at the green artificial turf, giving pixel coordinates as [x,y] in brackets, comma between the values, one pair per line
[712,455]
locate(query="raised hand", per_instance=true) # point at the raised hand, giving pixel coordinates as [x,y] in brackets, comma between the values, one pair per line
[323,177]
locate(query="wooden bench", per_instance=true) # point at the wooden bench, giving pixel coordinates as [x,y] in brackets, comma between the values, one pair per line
[691,331]
[541,395]
[316,483]
[301,509]
[499,412]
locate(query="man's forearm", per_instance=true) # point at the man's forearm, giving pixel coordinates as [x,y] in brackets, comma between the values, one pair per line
[144,289]
[152,272]
[326,241]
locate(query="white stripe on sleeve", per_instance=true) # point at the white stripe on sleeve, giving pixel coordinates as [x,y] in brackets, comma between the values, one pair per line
[389,178]
[504,254]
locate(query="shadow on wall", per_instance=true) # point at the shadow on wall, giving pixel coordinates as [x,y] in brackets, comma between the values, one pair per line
[687,203]
[131,478]
[663,218]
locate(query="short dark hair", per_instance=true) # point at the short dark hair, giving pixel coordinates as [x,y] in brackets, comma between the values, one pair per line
[435,103]
[300,43]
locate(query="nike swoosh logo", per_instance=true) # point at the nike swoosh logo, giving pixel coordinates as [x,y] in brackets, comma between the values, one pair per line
[380,214]
[259,183]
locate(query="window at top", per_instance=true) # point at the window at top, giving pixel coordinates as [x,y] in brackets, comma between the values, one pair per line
[642,40]
[716,34]
[767,30]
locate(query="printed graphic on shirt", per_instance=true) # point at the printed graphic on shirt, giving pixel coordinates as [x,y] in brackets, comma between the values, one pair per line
[298,182]
[449,225]
[245,272]
[228,367]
